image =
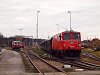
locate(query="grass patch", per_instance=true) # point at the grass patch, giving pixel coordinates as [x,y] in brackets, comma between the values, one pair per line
[87,60]
[97,53]
[88,50]
[40,52]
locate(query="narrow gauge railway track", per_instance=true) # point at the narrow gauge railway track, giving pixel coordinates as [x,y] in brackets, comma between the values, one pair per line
[91,56]
[77,63]
[40,64]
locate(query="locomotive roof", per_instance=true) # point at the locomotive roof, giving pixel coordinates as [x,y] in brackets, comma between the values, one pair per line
[67,32]
[16,41]
[72,31]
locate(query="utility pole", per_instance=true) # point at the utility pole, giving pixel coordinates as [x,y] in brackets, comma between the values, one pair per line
[58,27]
[48,35]
[37,24]
[20,31]
[70,19]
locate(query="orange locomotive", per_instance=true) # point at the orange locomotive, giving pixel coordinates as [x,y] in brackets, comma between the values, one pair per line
[67,43]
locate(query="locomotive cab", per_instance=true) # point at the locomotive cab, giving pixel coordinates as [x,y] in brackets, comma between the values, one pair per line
[71,43]
[72,39]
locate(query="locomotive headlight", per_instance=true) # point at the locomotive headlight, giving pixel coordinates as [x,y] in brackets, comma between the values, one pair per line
[64,45]
[79,45]
[71,42]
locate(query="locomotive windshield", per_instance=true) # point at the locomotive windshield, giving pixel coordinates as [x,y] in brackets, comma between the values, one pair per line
[66,36]
[76,36]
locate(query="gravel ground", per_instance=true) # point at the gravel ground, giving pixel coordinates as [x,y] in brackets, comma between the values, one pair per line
[86,73]
[11,64]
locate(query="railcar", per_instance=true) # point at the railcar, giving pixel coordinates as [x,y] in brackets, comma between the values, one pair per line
[17,45]
[67,43]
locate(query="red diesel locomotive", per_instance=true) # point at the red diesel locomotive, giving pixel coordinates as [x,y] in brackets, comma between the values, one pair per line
[67,43]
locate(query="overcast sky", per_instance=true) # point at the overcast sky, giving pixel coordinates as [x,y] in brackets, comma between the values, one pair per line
[17,14]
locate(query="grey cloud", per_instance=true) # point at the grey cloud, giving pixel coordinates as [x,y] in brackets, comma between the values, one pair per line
[13,13]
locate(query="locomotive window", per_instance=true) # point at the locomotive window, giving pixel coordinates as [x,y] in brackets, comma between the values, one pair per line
[18,42]
[15,42]
[66,36]
[76,36]
[60,37]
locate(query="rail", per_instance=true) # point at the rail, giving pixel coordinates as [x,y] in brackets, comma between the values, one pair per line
[32,56]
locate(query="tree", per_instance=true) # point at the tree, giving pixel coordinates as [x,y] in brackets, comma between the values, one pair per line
[1,39]
[95,43]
